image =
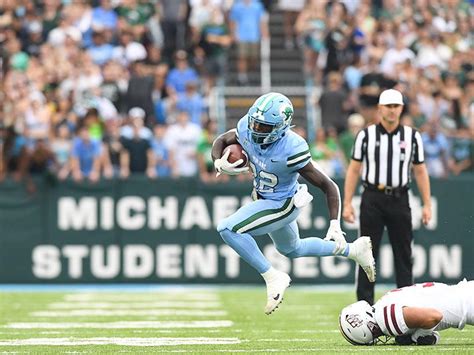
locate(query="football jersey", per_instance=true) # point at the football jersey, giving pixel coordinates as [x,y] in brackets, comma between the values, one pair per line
[275,168]
[455,302]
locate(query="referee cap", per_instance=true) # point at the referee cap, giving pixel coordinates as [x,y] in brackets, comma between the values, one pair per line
[391,97]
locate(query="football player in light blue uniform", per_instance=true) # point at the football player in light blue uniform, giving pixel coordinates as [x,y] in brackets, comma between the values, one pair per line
[277,157]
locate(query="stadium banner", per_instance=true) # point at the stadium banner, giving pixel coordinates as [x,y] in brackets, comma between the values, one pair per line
[164,231]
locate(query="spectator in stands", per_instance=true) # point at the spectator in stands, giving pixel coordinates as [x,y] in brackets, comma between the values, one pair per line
[249,25]
[100,51]
[192,102]
[164,161]
[173,14]
[112,87]
[462,152]
[86,156]
[61,146]
[311,27]
[104,15]
[135,125]
[326,153]
[180,74]
[207,172]
[355,123]
[182,138]
[334,103]
[134,15]
[436,150]
[140,90]
[214,41]
[291,9]
[137,154]
[113,150]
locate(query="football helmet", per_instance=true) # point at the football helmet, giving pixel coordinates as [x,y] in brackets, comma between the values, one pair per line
[357,324]
[269,118]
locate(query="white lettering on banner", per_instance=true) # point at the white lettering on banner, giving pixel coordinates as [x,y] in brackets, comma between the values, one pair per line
[232,261]
[195,213]
[138,260]
[46,261]
[335,267]
[305,267]
[223,206]
[168,261]
[125,218]
[135,212]
[105,264]
[168,212]
[77,216]
[447,261]
[174,261]
[75,254]
[201,261]
[107,213]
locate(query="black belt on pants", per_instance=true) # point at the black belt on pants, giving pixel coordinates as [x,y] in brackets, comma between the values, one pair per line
[387,190]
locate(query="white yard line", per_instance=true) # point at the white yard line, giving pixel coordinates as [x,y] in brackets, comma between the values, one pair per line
[119,341]
[122,325]
[149,297]
[129,305]
[131,312]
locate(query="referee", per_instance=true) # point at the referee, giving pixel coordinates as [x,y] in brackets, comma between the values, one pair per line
[384,154]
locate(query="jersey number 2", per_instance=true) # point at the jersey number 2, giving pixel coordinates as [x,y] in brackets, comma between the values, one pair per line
[266,181]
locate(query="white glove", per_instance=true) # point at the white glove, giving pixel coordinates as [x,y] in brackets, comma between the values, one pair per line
[223,166]
[335,233]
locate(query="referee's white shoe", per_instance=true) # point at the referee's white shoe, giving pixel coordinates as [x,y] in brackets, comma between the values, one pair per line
[277,283]
[361,252]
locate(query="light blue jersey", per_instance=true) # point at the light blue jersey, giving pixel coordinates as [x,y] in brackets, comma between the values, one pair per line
[275,168]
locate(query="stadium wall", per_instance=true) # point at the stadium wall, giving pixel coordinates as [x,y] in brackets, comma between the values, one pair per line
[163,231]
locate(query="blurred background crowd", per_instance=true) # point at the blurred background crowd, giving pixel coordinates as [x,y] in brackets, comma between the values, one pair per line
[108,88]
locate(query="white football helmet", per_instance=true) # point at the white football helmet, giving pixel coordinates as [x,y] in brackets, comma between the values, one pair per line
[357,324]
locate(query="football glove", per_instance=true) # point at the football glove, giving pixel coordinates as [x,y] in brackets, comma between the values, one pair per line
[222,165]
[337,235]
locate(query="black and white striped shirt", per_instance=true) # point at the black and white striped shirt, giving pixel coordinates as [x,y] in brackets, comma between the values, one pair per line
[387,157]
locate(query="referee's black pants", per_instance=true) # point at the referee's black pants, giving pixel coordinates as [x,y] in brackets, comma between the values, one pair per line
[378,210]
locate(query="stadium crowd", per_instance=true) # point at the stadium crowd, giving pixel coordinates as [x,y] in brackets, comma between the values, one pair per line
[108,88]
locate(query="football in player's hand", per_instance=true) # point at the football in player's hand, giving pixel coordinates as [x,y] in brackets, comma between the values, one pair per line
[236,153]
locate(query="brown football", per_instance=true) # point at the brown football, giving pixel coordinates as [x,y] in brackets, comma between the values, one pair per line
[236,153]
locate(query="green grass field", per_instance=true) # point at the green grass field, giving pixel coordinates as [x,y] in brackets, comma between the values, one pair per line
[189,320]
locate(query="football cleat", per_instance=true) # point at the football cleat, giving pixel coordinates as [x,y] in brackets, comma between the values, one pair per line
[361,252]
[275,291]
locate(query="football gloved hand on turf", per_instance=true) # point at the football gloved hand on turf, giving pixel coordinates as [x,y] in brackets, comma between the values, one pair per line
[337,235]
[222,165]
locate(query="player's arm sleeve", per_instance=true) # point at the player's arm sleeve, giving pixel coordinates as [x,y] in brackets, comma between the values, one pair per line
[299,157]
[419,155]
[360,145]
[390,319]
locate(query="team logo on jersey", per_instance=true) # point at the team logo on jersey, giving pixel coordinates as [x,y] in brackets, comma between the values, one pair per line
[287,111]
[403,144]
